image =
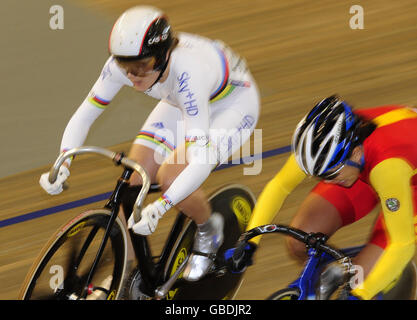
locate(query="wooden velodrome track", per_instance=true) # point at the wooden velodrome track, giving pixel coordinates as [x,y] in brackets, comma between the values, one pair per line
[298,51]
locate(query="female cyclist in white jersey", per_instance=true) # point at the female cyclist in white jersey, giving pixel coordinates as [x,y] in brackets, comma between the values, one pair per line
[209,106]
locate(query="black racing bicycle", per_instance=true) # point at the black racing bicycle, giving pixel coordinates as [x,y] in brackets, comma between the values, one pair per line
[87,257]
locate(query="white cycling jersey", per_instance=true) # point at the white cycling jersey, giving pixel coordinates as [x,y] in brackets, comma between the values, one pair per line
[208,87]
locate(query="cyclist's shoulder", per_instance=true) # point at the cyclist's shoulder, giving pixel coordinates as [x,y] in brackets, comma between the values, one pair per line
[192,53]
[394,136]
[192,42]
[391,130]
[371,113]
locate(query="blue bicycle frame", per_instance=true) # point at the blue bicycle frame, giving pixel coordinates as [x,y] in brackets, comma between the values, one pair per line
[307,282]
[320,255]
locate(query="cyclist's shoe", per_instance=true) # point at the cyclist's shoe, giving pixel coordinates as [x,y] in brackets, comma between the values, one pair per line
[208,239]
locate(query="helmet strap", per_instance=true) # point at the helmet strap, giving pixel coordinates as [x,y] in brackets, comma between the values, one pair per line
[162,70]
[355,164]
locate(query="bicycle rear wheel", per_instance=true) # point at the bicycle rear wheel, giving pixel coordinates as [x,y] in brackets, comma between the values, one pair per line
[61,269]
[235,203]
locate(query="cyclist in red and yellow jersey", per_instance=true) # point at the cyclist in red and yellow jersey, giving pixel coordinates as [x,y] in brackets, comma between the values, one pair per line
[363,157]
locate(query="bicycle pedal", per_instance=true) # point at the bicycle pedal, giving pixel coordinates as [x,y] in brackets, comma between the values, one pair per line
[211,256]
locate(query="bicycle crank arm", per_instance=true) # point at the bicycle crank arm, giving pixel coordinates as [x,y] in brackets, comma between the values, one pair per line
[162,291]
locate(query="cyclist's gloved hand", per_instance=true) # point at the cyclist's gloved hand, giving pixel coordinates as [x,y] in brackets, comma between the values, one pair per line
[238,259]
[56,187]
[149,218]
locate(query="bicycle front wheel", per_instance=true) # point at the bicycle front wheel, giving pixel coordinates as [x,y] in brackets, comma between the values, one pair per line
[61,270]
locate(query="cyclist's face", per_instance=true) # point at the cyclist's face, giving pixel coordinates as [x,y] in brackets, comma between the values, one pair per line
[346,175]
[140,72]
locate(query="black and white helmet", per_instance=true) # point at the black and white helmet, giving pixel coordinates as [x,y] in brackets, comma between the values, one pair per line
[324,138]
[140,32]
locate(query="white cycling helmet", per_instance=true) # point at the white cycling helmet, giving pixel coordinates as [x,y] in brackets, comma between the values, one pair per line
[140,32]
[325,137]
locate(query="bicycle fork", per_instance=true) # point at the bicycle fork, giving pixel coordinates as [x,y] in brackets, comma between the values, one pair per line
[113,204]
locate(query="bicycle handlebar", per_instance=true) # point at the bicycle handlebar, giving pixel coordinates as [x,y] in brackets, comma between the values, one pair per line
[311,240]
[115,157]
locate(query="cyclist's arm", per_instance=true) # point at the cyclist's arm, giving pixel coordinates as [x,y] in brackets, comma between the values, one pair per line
[105,88]
[193,94]
[192,85]
[274,194]
[391,180]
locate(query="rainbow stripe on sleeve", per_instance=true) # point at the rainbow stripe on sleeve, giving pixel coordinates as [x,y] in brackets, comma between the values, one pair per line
[226,87]
[166,202]
[223,85]
[98,102]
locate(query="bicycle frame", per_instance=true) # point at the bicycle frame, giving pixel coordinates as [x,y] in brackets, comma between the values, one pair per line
[319,255]
[154,277]
[152,273]
[315,263]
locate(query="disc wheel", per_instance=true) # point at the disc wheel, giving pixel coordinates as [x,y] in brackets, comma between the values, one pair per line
[235,203]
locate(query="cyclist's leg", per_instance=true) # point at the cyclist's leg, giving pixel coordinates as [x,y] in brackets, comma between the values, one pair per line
[143,155]
[153,144]
[328,208]
[156,140]
[196,205]
[368,256]
[233,121]
[316,214]
[228,118]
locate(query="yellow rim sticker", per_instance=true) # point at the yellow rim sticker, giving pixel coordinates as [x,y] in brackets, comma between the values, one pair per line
[242,210]
[178,260]
[112,295]
[77,228]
